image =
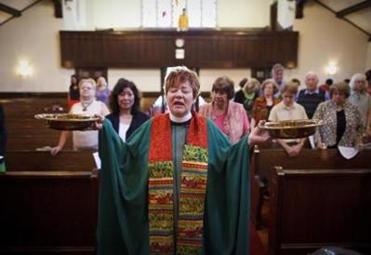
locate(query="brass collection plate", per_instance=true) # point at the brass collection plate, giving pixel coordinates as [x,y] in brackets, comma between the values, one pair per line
[68,121]
[291,129]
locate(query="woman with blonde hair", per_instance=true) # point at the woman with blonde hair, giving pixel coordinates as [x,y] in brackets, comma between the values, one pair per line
[251,92]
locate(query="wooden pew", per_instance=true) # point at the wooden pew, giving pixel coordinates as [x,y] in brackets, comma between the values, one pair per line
[25,160]
[23,131]
[48,204]
[314,208]
[264,162]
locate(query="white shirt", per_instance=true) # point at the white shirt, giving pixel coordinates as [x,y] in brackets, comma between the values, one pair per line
[87,139]
[123,128]
[281,112]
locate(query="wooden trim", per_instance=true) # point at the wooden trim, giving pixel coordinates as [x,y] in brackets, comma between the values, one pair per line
[24,9]
[5,95]
[46,174]
[227,48]
[353,8]
[275,207]
[47,250]
[10,95]
[58,12]
[10,10]
[328,172]
[345,19]
[273,16]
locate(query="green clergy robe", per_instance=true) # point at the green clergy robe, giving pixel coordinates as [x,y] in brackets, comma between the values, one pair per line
[123,205]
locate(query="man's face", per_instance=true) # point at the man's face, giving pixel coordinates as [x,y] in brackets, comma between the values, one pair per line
[311,81]
[288,98]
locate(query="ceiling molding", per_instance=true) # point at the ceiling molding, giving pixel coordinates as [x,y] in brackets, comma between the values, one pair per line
[10,10]
[343,18]
[353,8]
[24,9]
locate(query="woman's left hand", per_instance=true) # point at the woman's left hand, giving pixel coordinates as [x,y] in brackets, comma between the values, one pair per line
[99,123]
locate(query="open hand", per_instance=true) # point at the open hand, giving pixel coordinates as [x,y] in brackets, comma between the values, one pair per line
[99,123]
[258,135]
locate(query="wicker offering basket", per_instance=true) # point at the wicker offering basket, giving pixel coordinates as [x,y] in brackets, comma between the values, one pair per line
[67,121]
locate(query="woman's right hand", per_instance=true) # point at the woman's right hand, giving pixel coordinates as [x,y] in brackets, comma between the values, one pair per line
[55,150]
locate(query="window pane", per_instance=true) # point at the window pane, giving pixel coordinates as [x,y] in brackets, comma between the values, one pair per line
[164,13]
[208,13]
[194,13]
[149,13]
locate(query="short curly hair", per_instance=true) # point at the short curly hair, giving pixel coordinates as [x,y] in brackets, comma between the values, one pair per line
[269,81]
[181,74]
[340,87]
[224,85]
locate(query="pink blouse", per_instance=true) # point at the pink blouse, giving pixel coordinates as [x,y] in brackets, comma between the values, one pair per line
[234,123]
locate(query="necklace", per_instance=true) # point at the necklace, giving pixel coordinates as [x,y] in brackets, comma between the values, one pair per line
[85,105]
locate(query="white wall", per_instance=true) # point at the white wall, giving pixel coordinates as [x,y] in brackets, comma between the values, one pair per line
[208,76]
[325,38]
[146,80]
[34,37]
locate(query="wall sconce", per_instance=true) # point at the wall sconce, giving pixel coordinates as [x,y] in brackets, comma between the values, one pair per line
[331,68]
[24,69]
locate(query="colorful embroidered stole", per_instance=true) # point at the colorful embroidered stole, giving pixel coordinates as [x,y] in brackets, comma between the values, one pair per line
[189,236]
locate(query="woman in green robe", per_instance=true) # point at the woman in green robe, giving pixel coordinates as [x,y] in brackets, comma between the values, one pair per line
[177,186]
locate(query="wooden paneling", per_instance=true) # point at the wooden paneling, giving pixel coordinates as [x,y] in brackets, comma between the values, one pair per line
[28,160]
[203,48]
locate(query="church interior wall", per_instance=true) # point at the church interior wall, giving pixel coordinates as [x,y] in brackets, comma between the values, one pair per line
[324,39]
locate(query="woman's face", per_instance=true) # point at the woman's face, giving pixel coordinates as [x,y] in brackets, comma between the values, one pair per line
[101,82]
[278,75]
[338,98]
[87,90]
[180,99]
[359,85]
[268,90]
[126,99]
[220,98]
